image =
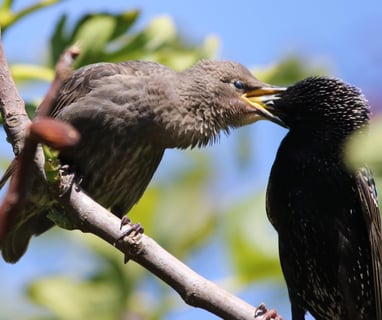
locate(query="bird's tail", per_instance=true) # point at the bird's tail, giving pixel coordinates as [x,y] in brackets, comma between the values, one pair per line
[17,239]
[30,221]
[7,174]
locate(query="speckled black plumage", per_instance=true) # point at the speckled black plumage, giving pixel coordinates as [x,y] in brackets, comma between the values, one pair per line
[326,215]
[127,114]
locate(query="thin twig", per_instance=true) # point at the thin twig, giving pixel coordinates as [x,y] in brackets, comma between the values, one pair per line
[63,71]
[12,106]
[15,120]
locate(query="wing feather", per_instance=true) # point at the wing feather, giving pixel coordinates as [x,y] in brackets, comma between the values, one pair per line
[372,218]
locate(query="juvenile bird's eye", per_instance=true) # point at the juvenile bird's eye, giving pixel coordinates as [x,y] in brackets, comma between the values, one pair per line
[239,84]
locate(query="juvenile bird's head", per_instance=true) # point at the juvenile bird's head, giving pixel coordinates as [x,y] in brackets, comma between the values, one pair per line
[213,99]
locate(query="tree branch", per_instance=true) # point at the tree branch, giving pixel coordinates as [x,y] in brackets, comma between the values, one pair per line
[88,216]
[50,131]
[12,106]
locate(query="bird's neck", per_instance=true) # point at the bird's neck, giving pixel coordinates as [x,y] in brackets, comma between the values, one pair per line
[194,120]
[315,144]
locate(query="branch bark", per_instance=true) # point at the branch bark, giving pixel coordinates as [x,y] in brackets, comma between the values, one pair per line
[195,290]
[88,216]
[42,129]
[12,106]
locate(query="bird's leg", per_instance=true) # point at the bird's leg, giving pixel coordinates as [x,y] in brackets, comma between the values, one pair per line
[262,313]
[134,227]
[131,235]
[68,178]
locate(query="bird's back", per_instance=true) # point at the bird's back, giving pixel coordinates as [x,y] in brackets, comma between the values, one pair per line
[110,106]
[114,159]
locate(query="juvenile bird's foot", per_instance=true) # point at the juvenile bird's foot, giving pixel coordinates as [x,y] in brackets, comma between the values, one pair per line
[262,313]
[134,227]
[68,178]
[131,235]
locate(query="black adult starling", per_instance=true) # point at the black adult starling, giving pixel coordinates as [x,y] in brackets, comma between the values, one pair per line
[326,215]
[128,114]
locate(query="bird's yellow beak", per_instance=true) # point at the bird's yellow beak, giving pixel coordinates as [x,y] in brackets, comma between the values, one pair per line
[262,100]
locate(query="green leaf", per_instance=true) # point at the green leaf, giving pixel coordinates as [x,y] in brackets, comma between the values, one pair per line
[92,37]
[97,34]
[71,299]
[59,41]
[251,241]
[6,5]
[52,164]
[159,32]
[366,149]
[124,22]
[179,214]
[28,72]
[289,70]
[31,108]
[7,17]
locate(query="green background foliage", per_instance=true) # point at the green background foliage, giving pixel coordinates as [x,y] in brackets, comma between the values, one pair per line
[178,211]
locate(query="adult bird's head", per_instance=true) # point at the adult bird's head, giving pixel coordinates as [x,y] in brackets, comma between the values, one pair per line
[213,98]
[318,104]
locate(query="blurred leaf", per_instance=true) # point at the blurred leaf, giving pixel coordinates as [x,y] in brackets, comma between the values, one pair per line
[159,42]
[366,149]
[291,69]
[31,109]
[179,58]
[92,36]
[6,5]
[105,37]
[159,32]
[251,240]
[124,22]
[178,214]
[28,72]
[59,41]
[7,17]
[76,299]
[93,32]
[83,298]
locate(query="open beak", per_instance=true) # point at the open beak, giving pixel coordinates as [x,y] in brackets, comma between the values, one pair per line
[262,100]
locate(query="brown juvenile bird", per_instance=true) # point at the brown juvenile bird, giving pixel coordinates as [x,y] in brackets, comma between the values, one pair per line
[127,114]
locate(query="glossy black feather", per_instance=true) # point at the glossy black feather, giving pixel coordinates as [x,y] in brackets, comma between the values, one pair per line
[326,215]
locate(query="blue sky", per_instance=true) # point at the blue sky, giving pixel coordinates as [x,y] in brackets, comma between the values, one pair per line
[344,35]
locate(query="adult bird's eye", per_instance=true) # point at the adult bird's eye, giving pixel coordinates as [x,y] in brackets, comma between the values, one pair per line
[239,84]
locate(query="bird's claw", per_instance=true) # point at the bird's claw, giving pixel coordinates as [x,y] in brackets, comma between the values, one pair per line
[68,178]
[262,313]
[134,227]
[133,231]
